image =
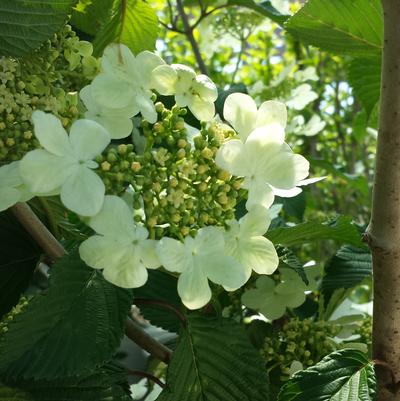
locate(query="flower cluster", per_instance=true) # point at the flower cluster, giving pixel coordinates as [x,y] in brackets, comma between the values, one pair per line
[169,198]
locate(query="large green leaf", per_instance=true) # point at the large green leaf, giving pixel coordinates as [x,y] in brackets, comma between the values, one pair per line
[71,329]
[343,375]
[365,78]
[134,23]
[159,301]
[264,8]
[26,24]
[19,255]
[342,230]
[215,361]
[13,394]
[349,267]
[352,27]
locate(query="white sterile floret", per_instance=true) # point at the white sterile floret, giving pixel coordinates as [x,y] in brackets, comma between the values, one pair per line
[308,74]
[65,165]
[265,161]
[198,260]
[117,122]
[125,80]
[301,96]
[245,242]
[12,188]
[240,110]
[121,248]
[197,92]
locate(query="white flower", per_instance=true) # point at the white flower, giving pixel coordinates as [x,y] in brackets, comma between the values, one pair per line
[197,92]
[301,96]
[314,126]
[117,122]
[12,188]
[272,299]
[65,164]
[265,161]
[125,80]
[308,74]
[245,242]
[198,260]
[121,247]
[283,6]
[241,112]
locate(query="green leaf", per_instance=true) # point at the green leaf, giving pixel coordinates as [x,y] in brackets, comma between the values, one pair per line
[215,360]
[264,8]
[13,394]
[159,301]
[341,230]
[19,256]
[26,24]
[134,23]
[343,375]
[352,27]
[348,268]
[71,329]
[365,79]
[102,385]
[289,260]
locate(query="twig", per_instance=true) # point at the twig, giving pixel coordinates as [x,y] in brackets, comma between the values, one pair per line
[140,373]
[54,250]
[145,341]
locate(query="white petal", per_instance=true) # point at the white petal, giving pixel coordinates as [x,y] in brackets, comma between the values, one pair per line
[241,111]
[205,88]
[193,288]
[9,175]
[163,80]
[255,222]
[147,62]
[8,197]
[228,157]
[270,112]
[172,255]
[83,192]
[203,110]
[50,133]
[287,193]
[146,107]
[44,172]
[186,76]
[117,127]
[115,218]
[112,92]
[209,241]
[259,193]
[88,139]
[118,60]
[148,254]
[87,98]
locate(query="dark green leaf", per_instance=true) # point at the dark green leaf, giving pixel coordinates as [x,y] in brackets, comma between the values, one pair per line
[71,329]
[352,27]
[341,230]
[342,375]
[13,394]
[348,268]
[134,23]
[26,24]
[19,256]
[365,79]
[288,259]
[215,361]
[264,8]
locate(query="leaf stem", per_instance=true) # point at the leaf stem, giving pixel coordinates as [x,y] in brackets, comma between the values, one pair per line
[149,376]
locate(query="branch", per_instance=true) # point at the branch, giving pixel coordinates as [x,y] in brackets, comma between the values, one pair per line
[190,36]
[149,376]
[54,250]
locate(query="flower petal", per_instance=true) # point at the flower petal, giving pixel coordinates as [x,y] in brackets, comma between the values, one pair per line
[270,112]
[118,60]
[88,139]
[228,157]
[241,111]
[259,193]
[8,197]
[83,192]
[186,76]
[9,175]
[146,62]
[146,107]
[50,133]
[193,288]
[163,80]
[205,88]
[44,172]
[203,110]
[117,127]
[172,255]
[148,254]
[255,222]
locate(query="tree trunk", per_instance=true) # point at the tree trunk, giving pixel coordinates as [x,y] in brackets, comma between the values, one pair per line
[384,229]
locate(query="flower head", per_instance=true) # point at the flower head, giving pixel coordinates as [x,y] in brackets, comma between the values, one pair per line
[301,96]
[197,92]
[198,260]
[65,165]
[121,247]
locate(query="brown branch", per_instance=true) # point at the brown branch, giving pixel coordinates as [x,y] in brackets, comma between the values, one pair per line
[54,250]
[149,376]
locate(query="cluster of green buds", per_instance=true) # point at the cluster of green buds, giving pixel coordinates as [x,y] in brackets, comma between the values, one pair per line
[23,302]
[48,80]
[365,331]
[175,182]
[305,341]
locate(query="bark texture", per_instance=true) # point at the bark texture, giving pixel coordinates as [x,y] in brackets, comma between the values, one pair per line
[384,229]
